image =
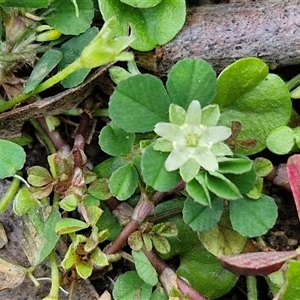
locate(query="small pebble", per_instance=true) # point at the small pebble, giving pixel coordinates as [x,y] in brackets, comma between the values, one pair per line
[292,242]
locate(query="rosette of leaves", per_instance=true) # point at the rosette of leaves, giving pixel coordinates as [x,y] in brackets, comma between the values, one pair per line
[151,236]
[141,102]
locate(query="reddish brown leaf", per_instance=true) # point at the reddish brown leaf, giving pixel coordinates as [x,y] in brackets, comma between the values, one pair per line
[257,263]
[293,172]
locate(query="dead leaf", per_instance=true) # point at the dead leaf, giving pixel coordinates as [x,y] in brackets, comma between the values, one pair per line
[10,275]
[3,237]
[11,122]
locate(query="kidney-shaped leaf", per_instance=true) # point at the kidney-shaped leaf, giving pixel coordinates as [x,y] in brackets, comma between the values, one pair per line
[151,26]
[259,101]
[191,79]
[12,158]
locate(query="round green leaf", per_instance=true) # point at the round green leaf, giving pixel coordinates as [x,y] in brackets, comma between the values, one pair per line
[123,182]
[205,273]
[131,286]
[260,102]
[83,269]
[281,140]
[150,27]
[107,167]
[144,268]
[138,103]
[141,4]
[63,16]
[115,141]
[200,217]
[12,158]
[154,172]
[253,217]
[191,79]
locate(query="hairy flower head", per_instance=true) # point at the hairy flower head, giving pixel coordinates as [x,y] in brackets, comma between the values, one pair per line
[193,139]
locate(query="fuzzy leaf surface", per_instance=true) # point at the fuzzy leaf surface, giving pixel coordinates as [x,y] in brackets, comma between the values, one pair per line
[131,286]
[200,217]
[191,79]
[253,217]
[138,103]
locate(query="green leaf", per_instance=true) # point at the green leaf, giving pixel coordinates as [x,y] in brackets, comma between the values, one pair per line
[150,27]
[166,229]
[99,189]
[138,103]
[63,16]
[71,50]
[253,217]
[45,65]
[12,158]
[135,241]
[23,202]
[123,182]
[144,268]
[107,167]
[131,286]
[205,273]
[291,288]
[161,244]
[281,140]
[234,165]
[116,141]
[39,233]
[99,258]
[155,174]
[200,217]
[94,213]
[83,269]
[68,225]
[141,4]
[260,102]
[159,294]
[26,3]
[191,79]
[39,176]
[245,181]
[197,189]
[110,222]
[69,203]
[221,186]
[222,239]
[262,166]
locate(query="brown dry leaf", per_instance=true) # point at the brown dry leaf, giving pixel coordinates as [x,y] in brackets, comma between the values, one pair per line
[10,275]
[3,236]
[105,296]
[11,122]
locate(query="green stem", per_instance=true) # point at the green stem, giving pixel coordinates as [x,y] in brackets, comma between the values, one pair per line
[295,81]
[9,194]
[54,277]
[76,65]
[43,135]
[251,288]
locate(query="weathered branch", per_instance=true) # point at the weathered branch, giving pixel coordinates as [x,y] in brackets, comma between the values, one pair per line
[223,33]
